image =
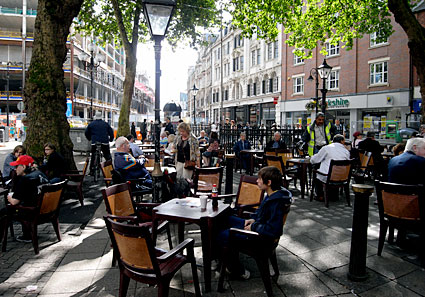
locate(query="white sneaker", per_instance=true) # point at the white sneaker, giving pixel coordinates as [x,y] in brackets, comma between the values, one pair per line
[246,274]
[214,264]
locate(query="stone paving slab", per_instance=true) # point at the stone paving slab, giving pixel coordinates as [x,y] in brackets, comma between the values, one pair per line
[313,256]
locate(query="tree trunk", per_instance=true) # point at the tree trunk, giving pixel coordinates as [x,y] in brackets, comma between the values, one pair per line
[130,77]
[45,93]
[416,40]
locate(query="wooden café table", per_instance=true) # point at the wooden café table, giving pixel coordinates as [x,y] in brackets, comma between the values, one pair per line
[251,154]
[189,210]
[303,164]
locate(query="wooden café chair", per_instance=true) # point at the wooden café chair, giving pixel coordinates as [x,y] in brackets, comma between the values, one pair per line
[401,207]
[107,169]
[248,197]
[46,210]
[119,202]
[339,176]
[277,161]
[260,248]
[204,178]
[76,179]
[140,260]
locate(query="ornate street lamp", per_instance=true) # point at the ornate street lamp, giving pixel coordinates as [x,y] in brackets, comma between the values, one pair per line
[93,63]
[324,71]
[158,15]
[194,92]
[314,73]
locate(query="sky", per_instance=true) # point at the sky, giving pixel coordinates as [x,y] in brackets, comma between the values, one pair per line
[174,67]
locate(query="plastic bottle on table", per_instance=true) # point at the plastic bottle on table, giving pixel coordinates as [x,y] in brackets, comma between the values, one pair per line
[214,196]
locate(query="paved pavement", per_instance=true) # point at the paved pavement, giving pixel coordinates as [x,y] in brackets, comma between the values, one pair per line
[313,257]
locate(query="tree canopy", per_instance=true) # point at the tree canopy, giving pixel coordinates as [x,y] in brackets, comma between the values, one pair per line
[310,23]
[123,21]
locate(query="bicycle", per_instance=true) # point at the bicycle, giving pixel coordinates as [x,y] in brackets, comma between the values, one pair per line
[96,161]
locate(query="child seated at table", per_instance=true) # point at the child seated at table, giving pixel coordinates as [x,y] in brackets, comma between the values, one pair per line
[267,220]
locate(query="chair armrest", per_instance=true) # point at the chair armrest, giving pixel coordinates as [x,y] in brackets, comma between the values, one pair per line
[147,204]
[188,243]
[123,218]
[250,234]
[226,196]
[321,173]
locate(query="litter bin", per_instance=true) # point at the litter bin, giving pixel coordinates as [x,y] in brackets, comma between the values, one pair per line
[4,133]
[81,144]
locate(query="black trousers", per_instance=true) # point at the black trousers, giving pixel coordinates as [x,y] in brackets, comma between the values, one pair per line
[105,150]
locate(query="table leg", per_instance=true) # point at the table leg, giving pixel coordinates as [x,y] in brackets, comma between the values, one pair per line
[181,231]
[303,179]
[206,237]
[252,165]
[154,227]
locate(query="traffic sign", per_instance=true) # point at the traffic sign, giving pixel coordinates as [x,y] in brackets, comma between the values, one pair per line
[21,106]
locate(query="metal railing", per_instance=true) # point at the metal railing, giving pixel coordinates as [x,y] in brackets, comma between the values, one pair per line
[258,137]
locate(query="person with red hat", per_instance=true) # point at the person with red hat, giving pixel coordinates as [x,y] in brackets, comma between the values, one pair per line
[24,187]
[358,136]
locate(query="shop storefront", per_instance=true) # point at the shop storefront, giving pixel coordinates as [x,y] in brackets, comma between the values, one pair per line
[369,112]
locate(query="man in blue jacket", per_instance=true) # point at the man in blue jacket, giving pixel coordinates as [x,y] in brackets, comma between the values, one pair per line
[267,220]
[409,167]
[240,145]
[127,165]
[99,131]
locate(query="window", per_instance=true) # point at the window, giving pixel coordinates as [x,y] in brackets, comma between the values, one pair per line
[271,85]
[226,95]
[254,89]
[253,58]
[269,51]
[218,53]
[378,73]
[332,50]
[276,49]
[248,90]
[217,73]
[235,64]
[228,47]
[258,56]
[298,60]
[241,62]
[237,41]
[298,83]
[374,39]
[333,80]
[263,86]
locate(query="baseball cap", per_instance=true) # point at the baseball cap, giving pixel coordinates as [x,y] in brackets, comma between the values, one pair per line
[357,133]
[23,160]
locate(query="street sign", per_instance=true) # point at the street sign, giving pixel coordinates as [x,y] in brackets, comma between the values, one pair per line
[21,106]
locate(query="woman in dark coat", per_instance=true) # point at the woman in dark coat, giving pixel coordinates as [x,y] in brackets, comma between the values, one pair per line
[54,164]
[133,130]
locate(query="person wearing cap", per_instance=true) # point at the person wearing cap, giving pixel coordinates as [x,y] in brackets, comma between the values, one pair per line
[24,187]
[99,131]
[169,126]
[318,134]
[358,137]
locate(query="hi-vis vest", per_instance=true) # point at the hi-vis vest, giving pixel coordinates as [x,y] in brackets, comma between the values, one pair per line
[312,140]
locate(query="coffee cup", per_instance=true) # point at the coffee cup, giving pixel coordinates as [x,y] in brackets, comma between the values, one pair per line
[203,200]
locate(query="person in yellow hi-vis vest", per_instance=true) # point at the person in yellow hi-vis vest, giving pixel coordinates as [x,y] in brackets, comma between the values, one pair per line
[318,134]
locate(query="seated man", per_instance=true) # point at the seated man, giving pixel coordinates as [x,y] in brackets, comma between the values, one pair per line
[409,167]
[203,139]
[276,143]
[24,188]
[240,145]
[333,151]
[134,148]
[267,220]
[211,152]
[127,165]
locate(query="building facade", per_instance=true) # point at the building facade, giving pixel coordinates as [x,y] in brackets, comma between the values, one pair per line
[17,19]
[237,78]
[371,87]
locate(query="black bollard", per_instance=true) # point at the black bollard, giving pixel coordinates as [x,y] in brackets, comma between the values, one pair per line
[357,268]
[230,158]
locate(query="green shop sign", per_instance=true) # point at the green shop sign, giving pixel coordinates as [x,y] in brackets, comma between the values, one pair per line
[338,103]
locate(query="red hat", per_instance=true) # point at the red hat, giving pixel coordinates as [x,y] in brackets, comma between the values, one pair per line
[23,160]
[357,133]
